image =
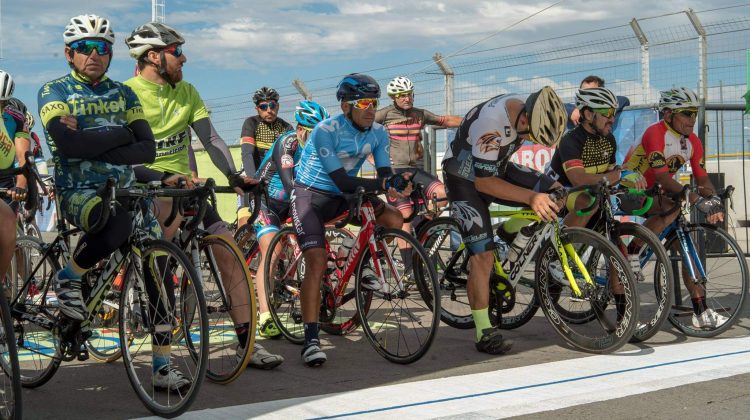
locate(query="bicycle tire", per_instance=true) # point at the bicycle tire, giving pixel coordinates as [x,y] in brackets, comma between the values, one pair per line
[104,343]
[727,298]
[283,275]
[224,365]
[612,328]
[11,405]
[38,352]
[654,294]
[346,318]
[187,334]
[381,310]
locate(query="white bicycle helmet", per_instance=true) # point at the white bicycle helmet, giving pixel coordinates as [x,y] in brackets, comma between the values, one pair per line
[597,97]
[87,27]
[7,85]
[680,97]
[152,35]
[547,116]
[398,85]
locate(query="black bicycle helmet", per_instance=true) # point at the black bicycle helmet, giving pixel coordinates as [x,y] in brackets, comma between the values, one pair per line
[357,86]
[265,94]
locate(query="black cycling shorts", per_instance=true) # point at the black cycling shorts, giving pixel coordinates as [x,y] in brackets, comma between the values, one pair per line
[430,182]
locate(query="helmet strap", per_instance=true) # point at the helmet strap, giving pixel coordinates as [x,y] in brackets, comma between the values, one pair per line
[163,69]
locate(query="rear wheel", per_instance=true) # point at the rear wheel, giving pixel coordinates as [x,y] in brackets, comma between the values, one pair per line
[284,272]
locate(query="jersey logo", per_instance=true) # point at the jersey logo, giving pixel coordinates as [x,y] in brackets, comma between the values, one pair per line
[466,214]
[656,160]
[489,142]
[287,162]
[674,163]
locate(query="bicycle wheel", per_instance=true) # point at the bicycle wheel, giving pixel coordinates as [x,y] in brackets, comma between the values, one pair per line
[104,343]
[726,278]
[38,348]
[163,316]
[613,323]
[284,271]
[343,318]
[230,300]
[402,318]
[653,275]
[10,381]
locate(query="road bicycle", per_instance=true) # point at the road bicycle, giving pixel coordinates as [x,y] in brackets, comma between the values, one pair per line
[563,270]
[161,304]
[400,319]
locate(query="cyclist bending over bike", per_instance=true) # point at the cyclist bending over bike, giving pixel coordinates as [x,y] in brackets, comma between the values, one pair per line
[161,90]
[664,148]
[277,168]
[333,155]
[477,172]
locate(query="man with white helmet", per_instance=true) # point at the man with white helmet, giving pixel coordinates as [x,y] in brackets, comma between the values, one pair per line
[477,172]
[664,148]
[14,141]
[158,49]
[587,153]
[404,124]
[95,130]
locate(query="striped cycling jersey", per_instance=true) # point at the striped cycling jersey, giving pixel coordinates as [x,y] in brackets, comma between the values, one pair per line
[405,132]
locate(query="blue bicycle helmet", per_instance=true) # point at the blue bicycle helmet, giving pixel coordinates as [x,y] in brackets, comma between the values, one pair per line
[357,86]
[309,114]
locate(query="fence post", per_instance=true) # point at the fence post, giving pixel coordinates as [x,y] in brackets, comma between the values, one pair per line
[448,74]
[702,71]
[302,89]
[645,78]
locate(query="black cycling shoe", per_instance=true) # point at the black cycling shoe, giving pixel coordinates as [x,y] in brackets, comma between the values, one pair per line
[492,342]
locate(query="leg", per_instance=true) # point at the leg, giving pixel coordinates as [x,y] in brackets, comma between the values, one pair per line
[7,236]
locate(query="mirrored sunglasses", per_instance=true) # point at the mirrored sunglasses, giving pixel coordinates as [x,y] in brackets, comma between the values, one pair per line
[265,106]
[687,112]
[403,95]
[365,103]
[175,50]
[86,46]
[605,112]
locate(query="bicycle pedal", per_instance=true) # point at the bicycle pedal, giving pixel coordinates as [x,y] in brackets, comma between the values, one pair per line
[83,355]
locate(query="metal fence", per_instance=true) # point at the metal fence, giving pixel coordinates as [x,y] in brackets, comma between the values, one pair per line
[637,59]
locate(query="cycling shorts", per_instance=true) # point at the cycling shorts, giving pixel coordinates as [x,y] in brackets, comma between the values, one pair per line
[430,182]
[311,209]
[471,208]
[271,216]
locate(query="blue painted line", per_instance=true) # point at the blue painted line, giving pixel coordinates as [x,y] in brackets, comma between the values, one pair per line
[519,388]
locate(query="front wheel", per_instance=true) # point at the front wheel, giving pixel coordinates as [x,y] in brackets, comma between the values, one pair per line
[283,275]
[10,381]
[610,295]
[401,318]
[164,328]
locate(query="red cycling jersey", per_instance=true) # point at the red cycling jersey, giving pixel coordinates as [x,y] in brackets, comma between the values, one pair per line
[662,149]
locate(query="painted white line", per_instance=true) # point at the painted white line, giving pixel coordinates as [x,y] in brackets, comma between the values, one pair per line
[517,391]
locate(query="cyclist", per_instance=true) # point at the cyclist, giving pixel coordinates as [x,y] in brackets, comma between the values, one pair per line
[257,136]
[278,169]
[333,155]
[95,129]
[477,172]
[587,153]
[591,81]
[161,90]
[664,148]
[15,141]
[404,124]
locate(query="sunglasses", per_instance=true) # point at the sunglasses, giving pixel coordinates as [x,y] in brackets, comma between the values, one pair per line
[265,106]
[364,103]
[86,46]
[402,95]
[605,112]
[308,129]
[175,50]
[687,112]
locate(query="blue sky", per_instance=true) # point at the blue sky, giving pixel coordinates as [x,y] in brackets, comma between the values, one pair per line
[234,47]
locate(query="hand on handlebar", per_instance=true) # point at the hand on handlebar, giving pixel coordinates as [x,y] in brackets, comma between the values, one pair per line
[239,182]
[544,206]
[176,180]
[17,194]
[399,185]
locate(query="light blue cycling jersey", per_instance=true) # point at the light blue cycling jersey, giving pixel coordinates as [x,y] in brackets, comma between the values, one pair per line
[335,144]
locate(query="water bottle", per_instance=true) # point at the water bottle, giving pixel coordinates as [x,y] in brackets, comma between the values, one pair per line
[343,251]
[522,239]
[501,248]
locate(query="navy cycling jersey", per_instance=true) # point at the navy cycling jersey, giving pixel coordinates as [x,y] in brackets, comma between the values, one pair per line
[334,144]
[277,167]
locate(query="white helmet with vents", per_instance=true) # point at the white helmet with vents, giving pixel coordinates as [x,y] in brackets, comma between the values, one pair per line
[398,85]
[594,98]
[680,97]
[88,27]
[7,85]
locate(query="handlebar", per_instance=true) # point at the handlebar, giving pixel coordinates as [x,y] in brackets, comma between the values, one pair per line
[604,189]
[34,181]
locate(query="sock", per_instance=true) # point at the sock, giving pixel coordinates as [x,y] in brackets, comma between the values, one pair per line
[72,271]
[242,333]
[160,356]
[699,305]
[481,322]
[406,257]
[311,332]
[620,306]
